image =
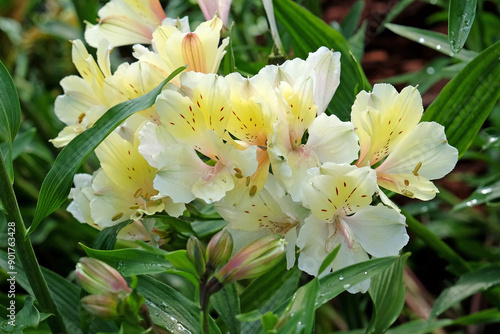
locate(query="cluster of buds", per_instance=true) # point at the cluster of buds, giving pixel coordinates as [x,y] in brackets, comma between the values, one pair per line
[109,295]
[216,267]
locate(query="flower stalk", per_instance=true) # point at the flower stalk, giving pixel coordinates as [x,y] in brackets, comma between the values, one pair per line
[26,254]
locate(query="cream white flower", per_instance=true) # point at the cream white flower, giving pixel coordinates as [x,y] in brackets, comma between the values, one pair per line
[194,120]
[173,48]
[126,22]
[123,187]
[339,198]
[387,123]
[271,211]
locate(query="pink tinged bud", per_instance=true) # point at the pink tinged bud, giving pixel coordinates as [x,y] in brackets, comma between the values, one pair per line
[101,306]
[213,7]
[193,54]
[196,254]
[253,260]
[219,249]
[96,277]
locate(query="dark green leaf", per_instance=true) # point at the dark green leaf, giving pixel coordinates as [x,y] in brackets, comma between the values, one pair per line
[334,283]
[10,110]
[466,101]
[420,327]
[205,228]
[299,314]
[170,308]
[431,39]
[130,261]
[388,294]
[28,316]
[10,115]
[460,18]
[57,183]
[480,196]
[264,287]
[351,20]
[308,33]
[486,316]
[329,259]
[467,285]
[398,8]
[357,42]
[20,143]
[227,303]
[106,239]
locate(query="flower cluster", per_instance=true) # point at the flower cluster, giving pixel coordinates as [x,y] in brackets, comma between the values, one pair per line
[261,149]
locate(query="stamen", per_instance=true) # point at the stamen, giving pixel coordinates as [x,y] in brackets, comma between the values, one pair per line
[117,216]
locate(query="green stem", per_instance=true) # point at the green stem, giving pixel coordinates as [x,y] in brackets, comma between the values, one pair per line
[26,254]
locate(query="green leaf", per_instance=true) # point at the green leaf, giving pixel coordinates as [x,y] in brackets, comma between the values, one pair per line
[10,115]
[130,261]
[333,284]
[420,326]
[460,18]
[266,286]
[205,228]
[466,101]
[351,20]
[10,109]
[480,196]
[299,314]
[170,308]
[227,303]
[66,296]
[329,259]
[395,11]
[467,285]
[20,143]
[57,183]
[106,239]
[308,33]
[28,316]
[486,316]
[388,294]
[357,42]
[431,39]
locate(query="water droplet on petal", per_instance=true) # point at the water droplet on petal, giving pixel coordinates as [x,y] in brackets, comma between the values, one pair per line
[421,40]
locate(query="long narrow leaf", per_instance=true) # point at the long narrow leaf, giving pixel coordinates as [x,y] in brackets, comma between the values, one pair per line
[57,183]
[466,101]
[460,18]
[466,286]
[388,294]
[308,33]
[334,283]
[10,115]
[431,39]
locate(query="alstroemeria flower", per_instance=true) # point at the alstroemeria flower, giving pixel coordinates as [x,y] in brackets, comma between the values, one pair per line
[126,22]
[339,197]
[329,139]
[388,127]
[271,211]
[83,101]
[88,97]
[123,187]
[194,120]
[172,48]
[215,7]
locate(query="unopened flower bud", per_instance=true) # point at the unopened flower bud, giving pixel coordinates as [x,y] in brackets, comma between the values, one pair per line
[253,260]
[101,306]
[98,278]
[196,254]
[219,249]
